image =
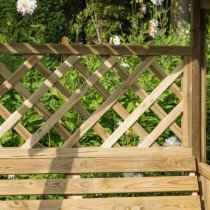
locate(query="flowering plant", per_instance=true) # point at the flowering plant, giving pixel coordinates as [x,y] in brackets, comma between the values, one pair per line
[157,2]
[115,40]
[153,27]
[172,141]
[26,6]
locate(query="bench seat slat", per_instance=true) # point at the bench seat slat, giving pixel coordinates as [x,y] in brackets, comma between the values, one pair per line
[93,152]
[99,185]
[97,165]
[137,203]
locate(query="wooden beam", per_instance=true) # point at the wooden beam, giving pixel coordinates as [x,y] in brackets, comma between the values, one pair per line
[188,111]
[204,170]
[206,192]
[79,186]
[135,203]
[205,4]
[34,98]
[203,84]
[128,152]
[39,49]
[110,101]
[97,165]
[145,104]
[162,126]
[196,77]
[16,76]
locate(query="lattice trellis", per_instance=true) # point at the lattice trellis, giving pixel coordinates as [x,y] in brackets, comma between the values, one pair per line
[92,80]
[71,167]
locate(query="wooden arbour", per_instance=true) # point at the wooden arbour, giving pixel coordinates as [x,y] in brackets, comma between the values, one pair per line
[180,171]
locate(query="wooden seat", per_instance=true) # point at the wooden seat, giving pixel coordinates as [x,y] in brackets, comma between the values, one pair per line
[139,192]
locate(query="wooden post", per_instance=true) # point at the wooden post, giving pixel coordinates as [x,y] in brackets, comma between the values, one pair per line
[203,85]
[204,171]
[196,77]
[206,192]
[188,111]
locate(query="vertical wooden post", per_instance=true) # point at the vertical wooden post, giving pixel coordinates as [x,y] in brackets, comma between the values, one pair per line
[196,77]
[206,192]
[188,111]
[203,85]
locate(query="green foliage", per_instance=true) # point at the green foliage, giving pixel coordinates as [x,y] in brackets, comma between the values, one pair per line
[52,100]
[86,21]
[34,28]
[89,21]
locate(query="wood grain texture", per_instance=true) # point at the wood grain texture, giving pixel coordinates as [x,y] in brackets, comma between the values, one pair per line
[162,75]
[110,101]
[206,192]
[77,186]
[163,125]
[204,170]
[66,106]
[92,152]
[145,104]
[196,77]
[79,108]
[15,77]
[39,49]
[188,111]
[139,203]
[96,165]
[38,106]
[120,110]
[34,98]
[19,128]
[205,4]
[143,94]
[203,83]
[63,185]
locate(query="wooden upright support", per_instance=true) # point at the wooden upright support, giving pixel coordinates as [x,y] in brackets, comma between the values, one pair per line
[197,45]
[203,85]
[188,110]
[205,4]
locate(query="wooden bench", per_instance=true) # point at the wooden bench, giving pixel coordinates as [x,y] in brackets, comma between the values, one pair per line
[139,191]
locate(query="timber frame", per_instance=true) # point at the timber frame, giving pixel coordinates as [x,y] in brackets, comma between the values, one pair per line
[187,164]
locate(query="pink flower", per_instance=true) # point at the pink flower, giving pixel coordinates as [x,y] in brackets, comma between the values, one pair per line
[143,8]
[26,6]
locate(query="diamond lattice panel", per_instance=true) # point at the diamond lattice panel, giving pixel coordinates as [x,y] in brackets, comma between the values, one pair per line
[90,104]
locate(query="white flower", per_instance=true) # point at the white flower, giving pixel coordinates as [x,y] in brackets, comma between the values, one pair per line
[115,40]
[132,174]
[26,6]
[153,27]
[96,195]
[154,23]
[119,123]
[12,176]
[139,142]
[172,141]
[157,2]
[125,65]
